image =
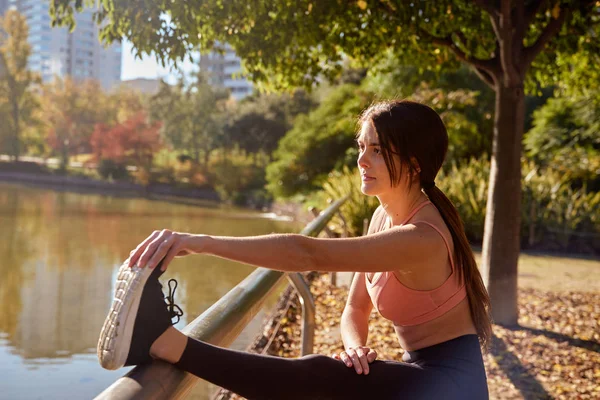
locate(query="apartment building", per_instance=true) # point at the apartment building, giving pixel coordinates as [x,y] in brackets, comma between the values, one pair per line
[224,70]
[79,55]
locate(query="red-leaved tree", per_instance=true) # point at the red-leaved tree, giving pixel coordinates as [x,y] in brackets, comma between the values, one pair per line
[135,141]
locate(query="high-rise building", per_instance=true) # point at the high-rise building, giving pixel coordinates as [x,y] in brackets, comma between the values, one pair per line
[224,70]
[79,55]
[143,85]
[3,6]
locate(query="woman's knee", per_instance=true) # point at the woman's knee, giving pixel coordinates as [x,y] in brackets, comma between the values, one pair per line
[317,362]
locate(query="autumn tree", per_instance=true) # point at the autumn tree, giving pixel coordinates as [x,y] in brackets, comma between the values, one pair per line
[511,44]
[125,103]
[69,113]
[17,100]
[134,141]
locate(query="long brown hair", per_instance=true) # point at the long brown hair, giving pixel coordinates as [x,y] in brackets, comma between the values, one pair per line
[415,132]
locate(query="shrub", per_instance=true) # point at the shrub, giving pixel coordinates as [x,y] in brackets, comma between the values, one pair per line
[556,213]
[565,137]
[355,210]
[239,181]
[467,186]
[316,143]
[109,169]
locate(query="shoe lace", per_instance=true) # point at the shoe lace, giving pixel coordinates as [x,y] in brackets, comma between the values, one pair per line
[174,309]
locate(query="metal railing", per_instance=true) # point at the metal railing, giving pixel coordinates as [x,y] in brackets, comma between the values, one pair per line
[220,325]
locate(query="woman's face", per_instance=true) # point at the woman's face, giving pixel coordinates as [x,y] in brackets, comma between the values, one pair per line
[375,178]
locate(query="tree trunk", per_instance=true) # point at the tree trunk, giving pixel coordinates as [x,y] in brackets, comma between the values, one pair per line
[16,145]
[64,162]
[196,154]
[501,241]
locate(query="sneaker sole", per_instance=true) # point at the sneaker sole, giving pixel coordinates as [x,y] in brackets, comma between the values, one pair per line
[115,336]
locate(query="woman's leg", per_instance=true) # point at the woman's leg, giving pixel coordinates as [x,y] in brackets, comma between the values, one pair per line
[260,377]
[138,326]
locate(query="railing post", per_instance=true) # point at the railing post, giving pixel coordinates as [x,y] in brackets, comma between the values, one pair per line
[308,311]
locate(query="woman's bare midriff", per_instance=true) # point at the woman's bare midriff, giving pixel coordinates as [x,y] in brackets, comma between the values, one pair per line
[454,323]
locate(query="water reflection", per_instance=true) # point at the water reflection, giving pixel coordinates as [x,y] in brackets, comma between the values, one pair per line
[59,253]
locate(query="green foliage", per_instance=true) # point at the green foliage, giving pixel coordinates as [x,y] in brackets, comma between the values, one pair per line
[257,123]
[17,83]
[566,136]
[465,140]
[553,212]
[239,180]
[192,116]
[467,186]
[292,44]
[355,210]
[465,103]
[323,140]
[570,62]
[317,142]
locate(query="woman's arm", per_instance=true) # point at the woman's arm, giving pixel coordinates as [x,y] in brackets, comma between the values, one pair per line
[399,248]
[354,324]
[409,247]
[355,327]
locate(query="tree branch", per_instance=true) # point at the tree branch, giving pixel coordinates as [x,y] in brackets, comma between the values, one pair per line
[532,9]
[553,27]
[505,38]
[485,77]
[488,6]
[519,32]
[462,37]
[486,65]
[494,13]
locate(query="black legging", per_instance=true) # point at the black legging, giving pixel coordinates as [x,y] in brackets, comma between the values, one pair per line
[449,370]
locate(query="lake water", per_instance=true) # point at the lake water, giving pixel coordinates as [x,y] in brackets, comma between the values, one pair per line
[59,253]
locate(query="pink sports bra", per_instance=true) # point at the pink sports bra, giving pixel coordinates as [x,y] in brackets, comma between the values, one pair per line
[405,306]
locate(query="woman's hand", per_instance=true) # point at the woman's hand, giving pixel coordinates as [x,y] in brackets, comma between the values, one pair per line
[360,357]
[163,245]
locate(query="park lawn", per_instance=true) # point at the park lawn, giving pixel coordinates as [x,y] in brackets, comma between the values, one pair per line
[557,273]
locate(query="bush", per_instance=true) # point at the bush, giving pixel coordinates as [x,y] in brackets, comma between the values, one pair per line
[323,140]
[23,166]
[467,186]
[240,182]
[109,169]
[316,143]
[555,213]
[565,137]
[355,210]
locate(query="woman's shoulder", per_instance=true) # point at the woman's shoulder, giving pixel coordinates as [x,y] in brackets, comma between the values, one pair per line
[378,211]
[377,219]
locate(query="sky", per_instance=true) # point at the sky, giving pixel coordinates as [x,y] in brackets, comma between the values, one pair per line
[147,67]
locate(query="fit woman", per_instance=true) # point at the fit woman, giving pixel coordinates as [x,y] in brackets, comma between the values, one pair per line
[415,267]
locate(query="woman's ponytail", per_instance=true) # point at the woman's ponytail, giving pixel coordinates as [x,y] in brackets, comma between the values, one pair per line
[479,299]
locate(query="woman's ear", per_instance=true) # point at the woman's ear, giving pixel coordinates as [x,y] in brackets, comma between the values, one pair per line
[415,165]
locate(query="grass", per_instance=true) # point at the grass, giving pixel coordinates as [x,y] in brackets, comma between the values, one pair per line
[557,273]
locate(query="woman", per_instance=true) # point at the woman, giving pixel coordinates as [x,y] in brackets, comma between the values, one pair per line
[415,267]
